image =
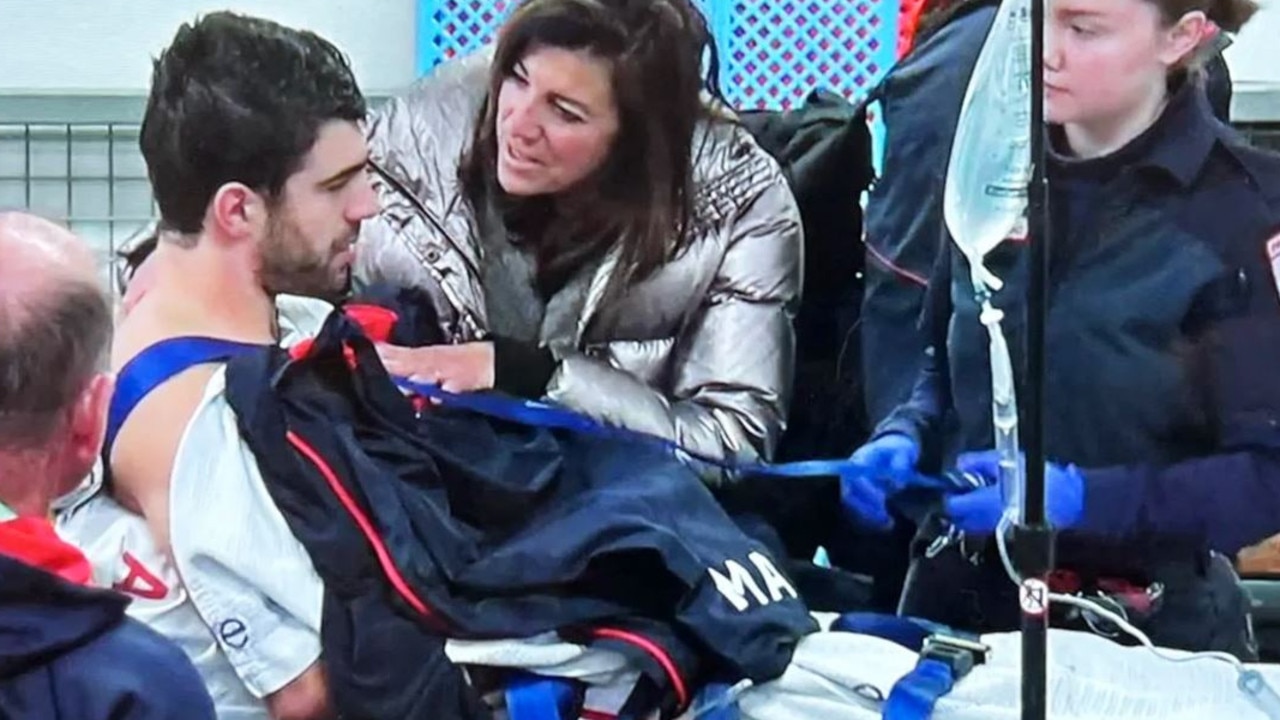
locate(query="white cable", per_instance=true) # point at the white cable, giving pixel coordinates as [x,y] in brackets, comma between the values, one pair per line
[1103,612]
[1251,682]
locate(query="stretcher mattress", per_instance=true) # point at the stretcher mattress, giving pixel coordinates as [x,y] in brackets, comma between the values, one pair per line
[1090,678]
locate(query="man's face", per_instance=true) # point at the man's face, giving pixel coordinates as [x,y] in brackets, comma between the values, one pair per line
[309,244]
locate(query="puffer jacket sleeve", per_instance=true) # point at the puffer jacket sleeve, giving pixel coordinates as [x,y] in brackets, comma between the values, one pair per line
[733,364]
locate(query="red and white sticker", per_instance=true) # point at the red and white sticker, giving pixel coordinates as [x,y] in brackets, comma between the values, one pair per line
[1273,254]
[1034,597]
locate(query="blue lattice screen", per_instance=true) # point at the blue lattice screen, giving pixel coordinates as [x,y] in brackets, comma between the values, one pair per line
[772,52]
[776,51]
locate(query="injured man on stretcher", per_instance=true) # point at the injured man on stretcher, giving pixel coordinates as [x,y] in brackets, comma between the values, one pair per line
[323,544]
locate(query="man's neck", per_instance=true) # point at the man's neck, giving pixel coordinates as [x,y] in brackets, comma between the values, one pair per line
[1102,138]
[209,291]
[23,492]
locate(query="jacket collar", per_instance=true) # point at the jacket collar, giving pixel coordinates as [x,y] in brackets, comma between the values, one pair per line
[1187,136]
[1178,145]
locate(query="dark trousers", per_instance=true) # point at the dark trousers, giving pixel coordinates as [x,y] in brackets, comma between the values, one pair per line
[1203,606]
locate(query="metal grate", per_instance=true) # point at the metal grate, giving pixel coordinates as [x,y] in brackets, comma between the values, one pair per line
[773,52]
[75,159]
[87,174]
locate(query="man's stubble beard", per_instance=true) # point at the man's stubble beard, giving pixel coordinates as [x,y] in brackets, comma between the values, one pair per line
[289,267]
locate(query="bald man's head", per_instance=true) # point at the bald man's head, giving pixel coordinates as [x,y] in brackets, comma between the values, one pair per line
[45,241]
[55,327]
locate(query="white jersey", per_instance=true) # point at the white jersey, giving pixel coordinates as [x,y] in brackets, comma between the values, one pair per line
[240,595]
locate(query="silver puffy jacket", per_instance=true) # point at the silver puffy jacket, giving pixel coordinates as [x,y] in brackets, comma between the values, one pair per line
[701,352]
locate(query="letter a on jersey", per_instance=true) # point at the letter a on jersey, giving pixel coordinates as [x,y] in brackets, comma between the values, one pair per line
[140,582]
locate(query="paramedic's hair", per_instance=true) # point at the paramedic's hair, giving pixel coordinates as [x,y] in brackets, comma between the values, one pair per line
[53,340]
[238,99]
[644,193]
[1230,15]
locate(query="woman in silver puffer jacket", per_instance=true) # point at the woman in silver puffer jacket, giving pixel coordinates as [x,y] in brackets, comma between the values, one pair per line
[591,229]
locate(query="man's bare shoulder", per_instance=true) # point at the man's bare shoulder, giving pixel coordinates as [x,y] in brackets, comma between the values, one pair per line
[142,458]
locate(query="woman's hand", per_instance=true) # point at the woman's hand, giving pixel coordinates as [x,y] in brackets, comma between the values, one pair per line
[455,368]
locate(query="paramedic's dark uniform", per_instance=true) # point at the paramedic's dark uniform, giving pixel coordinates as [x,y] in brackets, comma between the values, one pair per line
[1163,375]
[919,104]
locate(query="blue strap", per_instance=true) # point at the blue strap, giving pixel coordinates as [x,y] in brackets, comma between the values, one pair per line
[536,414]
[910,633]
[940,667]
[155,366]
[531,697]
[915,695]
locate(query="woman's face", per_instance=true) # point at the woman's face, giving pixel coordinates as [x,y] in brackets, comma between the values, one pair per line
[1104,58]
[557,121]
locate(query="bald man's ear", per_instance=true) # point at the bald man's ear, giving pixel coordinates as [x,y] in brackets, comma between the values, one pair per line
[88,427]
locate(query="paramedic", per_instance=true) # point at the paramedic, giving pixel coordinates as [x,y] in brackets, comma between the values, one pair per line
[1164,305]
[920,102]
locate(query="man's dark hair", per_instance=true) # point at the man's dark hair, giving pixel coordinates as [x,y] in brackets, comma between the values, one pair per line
[238,99]
[51,345]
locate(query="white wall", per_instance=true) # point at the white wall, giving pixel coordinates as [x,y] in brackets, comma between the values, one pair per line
[1256,55]
[105,45]
[94,46]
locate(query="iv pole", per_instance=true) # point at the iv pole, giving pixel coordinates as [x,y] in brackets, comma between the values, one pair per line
[1032,539]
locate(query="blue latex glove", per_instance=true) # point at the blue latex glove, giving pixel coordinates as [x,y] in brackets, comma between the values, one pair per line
[979,511]
[889,465]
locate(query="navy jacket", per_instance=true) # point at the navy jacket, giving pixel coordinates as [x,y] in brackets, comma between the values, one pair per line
[919,105]
[1162,338]
[70,653]
[445,523]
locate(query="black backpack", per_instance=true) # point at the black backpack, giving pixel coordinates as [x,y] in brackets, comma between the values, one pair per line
[824,148]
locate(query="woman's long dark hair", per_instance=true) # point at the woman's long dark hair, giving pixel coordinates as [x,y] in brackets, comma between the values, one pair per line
[642,196]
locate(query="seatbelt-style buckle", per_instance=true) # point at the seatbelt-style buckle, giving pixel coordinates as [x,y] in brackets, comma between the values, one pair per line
[961,654]
[944,661]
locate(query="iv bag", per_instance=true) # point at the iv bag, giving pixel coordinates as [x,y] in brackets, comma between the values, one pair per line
[985,196]
[984,199]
